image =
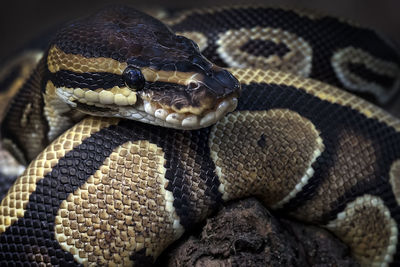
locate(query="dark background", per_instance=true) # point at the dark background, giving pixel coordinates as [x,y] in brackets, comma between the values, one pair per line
[21,21]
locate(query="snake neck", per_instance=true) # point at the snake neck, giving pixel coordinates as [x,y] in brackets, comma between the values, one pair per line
[35,117]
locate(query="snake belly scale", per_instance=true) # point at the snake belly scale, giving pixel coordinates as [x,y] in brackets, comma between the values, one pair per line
[112,191]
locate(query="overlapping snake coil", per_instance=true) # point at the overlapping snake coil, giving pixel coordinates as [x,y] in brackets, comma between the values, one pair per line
[112,190]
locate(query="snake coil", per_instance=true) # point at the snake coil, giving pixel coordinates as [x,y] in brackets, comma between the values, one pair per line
[114,191]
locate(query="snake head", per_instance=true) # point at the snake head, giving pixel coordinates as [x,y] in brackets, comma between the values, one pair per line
[123,63]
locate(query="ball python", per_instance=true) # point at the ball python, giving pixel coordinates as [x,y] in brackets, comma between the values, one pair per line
[115,191]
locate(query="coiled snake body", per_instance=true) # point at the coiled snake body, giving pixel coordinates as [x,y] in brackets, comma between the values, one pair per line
[117,191]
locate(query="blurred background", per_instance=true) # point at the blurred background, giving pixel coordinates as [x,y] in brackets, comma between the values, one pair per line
[21,21]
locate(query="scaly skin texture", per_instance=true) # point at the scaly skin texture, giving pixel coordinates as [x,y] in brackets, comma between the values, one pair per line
[120,191]
[118,62]
[113,191]
[325,48]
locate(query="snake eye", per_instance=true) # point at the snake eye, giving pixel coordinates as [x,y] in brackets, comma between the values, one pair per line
[133,78]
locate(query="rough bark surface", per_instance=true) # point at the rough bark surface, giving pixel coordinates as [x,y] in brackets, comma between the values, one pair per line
[244,233]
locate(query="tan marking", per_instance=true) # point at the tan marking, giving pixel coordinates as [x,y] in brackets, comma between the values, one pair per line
[297,60]
[367,226]
[395,179]
[321,90]
[182,78]
[263,153]
[13,204]
[340,62]
[199,38]
[121,209]
[59,60]
[354,162]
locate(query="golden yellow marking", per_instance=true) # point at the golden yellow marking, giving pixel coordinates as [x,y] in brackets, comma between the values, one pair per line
[321,90]
[199,38]
[125,91]
[395,179]
[367,226]
[297,60]
[120,96]
[264,153]
[59,60]
[13,204]
[121,209]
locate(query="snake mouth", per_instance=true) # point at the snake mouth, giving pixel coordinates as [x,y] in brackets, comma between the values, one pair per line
[197,102]
[156,113]
[143,109]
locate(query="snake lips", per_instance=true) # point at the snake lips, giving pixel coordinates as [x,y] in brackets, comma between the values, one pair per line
[132,66]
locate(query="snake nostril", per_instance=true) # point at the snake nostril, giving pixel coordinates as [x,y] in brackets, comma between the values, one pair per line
[193,85]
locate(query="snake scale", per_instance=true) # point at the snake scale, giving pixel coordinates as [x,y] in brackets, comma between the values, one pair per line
[109,190]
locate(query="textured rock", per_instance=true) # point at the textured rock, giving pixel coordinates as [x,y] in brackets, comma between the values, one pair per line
[244,233]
